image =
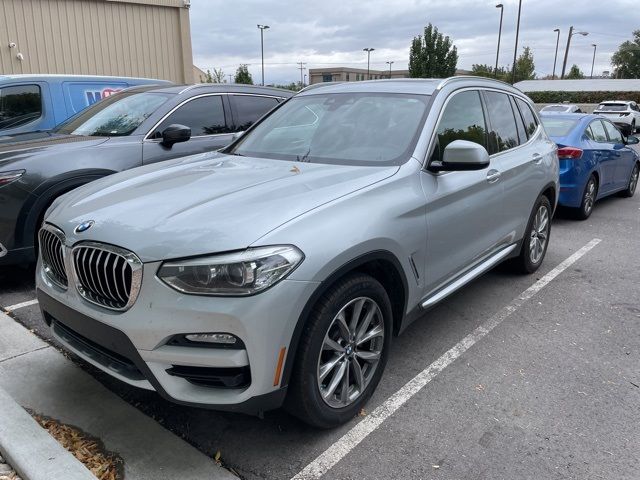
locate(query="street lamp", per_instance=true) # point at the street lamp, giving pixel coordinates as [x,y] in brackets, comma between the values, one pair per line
[368,50]
[555,59]
[262,29]
[495,70]
[594,57]
[515,50]
[566,51]
[390,63]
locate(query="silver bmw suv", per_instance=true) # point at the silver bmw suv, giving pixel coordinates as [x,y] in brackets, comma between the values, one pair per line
[278,271]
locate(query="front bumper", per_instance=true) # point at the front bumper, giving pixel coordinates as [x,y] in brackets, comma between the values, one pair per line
[133,345]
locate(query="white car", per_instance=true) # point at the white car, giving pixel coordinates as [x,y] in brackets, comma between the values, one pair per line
[561,108]
[626,115]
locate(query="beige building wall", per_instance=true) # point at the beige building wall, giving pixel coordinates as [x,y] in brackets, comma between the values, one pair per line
[134,38]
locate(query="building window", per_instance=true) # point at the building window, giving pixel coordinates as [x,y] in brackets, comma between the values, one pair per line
[327,77]
[347,77]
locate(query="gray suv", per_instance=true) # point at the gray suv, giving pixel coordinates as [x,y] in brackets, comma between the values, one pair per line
[278,270]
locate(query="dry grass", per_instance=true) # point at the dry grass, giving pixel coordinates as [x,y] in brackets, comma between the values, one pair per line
[104,465]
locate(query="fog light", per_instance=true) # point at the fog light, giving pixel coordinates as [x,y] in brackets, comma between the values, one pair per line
[221,338]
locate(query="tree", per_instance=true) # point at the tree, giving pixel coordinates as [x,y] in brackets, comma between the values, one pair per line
[482,70]
[243,75]
[626,61]
[432,55]
[575,73]
[525,68]
[216,77]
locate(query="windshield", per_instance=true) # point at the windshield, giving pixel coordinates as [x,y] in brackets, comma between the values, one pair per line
[343,128]
[613,107]
[116,115]
[555,108]
[558,127]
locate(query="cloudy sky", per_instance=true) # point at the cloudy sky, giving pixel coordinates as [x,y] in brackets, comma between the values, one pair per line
[327,33]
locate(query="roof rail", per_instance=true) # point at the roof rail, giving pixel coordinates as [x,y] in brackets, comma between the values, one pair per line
[318,85]
[448,80]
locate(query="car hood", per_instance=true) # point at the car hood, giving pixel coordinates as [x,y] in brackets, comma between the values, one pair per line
[205,203]
[24,145]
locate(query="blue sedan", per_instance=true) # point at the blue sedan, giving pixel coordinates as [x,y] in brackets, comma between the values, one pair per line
[595,160]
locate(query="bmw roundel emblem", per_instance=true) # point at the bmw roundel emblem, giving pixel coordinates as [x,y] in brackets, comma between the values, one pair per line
[84,226]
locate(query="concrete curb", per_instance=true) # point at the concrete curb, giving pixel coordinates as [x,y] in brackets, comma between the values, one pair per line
[29,448]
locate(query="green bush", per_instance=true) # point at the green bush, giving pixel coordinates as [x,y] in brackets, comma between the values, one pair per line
[582,97]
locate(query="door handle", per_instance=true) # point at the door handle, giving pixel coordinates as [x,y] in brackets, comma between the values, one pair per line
[493,176]
[536,158]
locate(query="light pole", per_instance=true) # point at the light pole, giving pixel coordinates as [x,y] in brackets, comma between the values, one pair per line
[495,70]
[555,59]
[566,51]
[595,46]
[515,50]
[301,68]
[368,50]
[390,63]
[262,29]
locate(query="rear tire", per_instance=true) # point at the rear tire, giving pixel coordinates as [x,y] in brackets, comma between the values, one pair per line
[633,182]
[536,237]
[588,199]
[329,347]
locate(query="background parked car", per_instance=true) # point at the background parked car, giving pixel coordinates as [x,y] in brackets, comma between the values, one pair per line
[40,102]
[284,264]
[561,108]
[595,160]
[138,126]
[624,114]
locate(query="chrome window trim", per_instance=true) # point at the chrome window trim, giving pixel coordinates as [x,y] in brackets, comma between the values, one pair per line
[134,262]
[46,269]
[534,136]
[157,140]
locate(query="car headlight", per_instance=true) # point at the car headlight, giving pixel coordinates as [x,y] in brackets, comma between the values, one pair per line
[241,273]
[8,177]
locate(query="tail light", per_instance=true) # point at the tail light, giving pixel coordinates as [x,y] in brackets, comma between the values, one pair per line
[569,153]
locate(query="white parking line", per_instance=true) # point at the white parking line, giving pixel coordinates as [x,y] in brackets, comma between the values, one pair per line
[11,308]
[336,452]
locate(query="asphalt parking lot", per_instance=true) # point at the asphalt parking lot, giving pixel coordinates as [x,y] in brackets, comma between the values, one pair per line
[553,391]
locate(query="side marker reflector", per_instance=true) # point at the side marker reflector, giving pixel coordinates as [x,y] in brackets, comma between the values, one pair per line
[276,378]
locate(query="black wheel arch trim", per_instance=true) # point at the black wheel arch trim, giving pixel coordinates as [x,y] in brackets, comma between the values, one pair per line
[324,286]
[43,195]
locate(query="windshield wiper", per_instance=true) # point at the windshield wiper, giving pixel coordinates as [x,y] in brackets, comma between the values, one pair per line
[304,157]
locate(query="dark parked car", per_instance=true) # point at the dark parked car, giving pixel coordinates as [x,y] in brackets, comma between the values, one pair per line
[138,126]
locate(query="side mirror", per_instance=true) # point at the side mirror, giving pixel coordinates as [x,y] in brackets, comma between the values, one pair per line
[463,155]
[631,140]
[175,133]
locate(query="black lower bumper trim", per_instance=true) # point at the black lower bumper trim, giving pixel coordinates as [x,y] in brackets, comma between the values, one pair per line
[117,343]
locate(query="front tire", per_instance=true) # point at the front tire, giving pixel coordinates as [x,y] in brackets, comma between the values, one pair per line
[588,199]
[536,237]
[633,182]
[342,352]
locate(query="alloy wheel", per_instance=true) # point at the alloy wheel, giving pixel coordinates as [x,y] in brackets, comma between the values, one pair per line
[633,181]
[539,234]
[589,196]
[351,352]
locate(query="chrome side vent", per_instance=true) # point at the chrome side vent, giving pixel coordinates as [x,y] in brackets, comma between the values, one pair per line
[52,242]
[106,275]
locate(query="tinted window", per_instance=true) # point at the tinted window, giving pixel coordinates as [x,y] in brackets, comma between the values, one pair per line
[204,115]
[597,132]
[555,108]
[614,134]
[529,118]
[19,105]
[503,134]
[558,127]
[462,119]
[612,107]
[116,115]
[249,108]
[343,129]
